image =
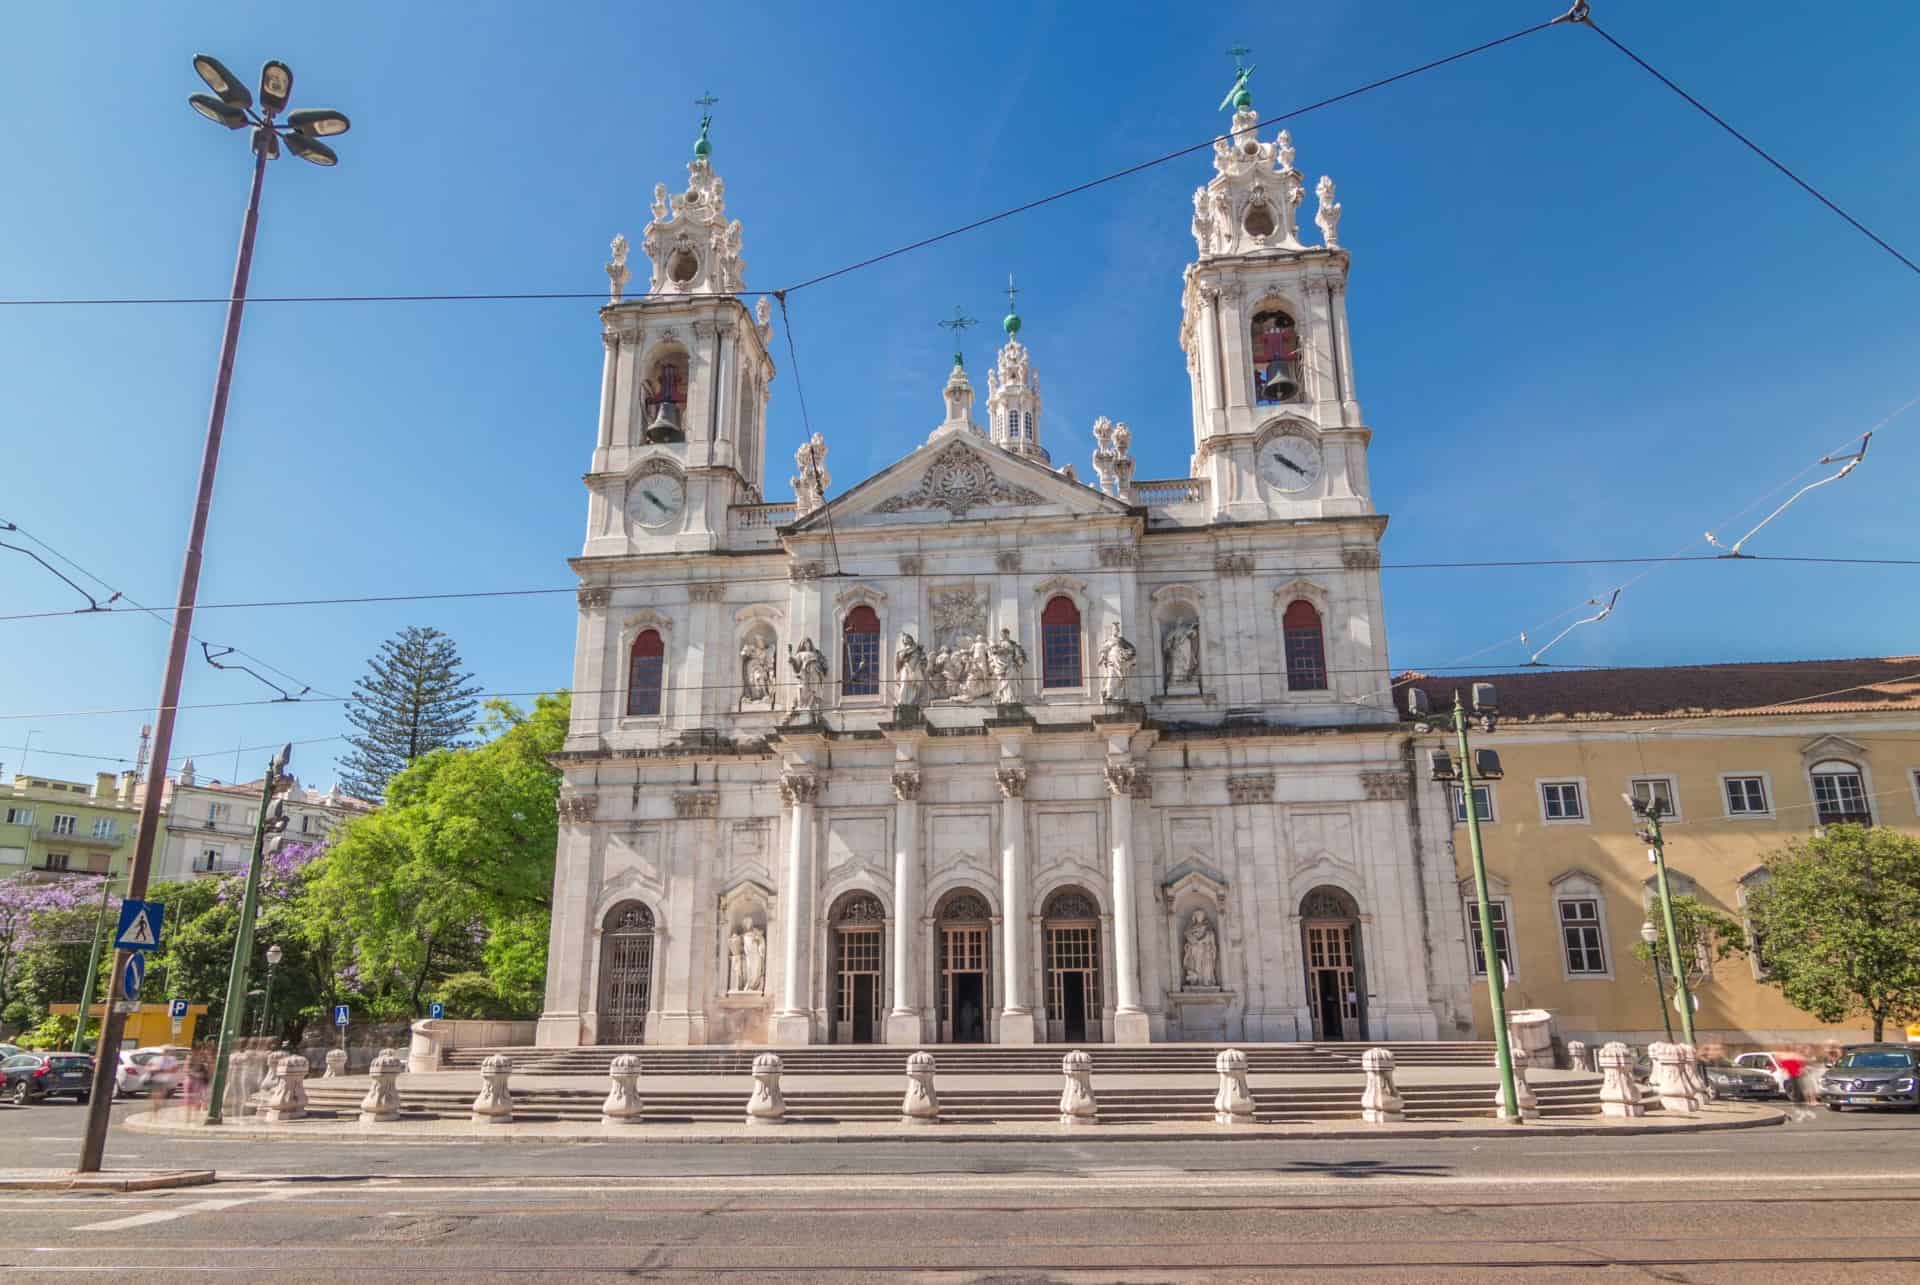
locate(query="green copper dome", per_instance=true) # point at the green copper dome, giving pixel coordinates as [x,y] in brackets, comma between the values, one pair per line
[1242,99]
[702,146]
[1011,324]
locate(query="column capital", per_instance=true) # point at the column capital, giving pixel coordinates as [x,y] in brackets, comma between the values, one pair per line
[1012,782]
[801,787]
[906,785]
[1129,780]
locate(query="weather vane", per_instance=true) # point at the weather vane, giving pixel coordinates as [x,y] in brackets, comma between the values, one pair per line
[1239,97]
[1012,290]
[958,323]
[701,147]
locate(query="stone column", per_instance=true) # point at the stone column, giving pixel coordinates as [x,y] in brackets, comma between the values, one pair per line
[793,1024]
[1130,1024]
[1016,1015]
[608,371]
[903,1022]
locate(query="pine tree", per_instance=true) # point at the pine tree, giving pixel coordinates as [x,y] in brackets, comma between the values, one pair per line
[413,700]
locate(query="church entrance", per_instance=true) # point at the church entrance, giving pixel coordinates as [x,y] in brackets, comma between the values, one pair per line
[857,925]
[1071,929]
[1336,991]
[965,958]
[626,973]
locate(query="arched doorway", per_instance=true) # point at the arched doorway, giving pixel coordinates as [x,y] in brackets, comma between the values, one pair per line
[964,929]
[857,923]
[1070,931]
[626,973]
[1336,981]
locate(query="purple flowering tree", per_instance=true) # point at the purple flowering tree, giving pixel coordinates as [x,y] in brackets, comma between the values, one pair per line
[38,915]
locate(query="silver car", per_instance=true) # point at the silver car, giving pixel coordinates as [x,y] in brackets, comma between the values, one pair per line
[1872,1075]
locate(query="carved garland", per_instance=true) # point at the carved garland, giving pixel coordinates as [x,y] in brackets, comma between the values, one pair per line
[966,906]
[1382,786]
[958,480]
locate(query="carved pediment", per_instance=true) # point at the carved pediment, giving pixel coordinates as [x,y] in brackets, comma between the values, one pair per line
[959,480]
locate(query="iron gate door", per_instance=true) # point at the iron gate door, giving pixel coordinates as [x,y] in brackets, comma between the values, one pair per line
[626,977]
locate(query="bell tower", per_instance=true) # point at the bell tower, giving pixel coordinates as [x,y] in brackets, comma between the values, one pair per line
[1013,391]
[1277,429]
[684,388]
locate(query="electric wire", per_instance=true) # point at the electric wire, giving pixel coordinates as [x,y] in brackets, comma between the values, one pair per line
[1585,19]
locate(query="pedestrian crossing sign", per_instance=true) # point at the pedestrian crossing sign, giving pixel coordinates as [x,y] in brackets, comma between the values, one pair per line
[139,925]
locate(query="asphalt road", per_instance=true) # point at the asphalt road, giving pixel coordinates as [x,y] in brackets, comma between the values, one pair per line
[1824,1198]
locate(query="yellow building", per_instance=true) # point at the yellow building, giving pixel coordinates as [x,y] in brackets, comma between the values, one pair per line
[53,827]
[1750,757]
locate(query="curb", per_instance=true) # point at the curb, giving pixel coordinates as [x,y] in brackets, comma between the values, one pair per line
[351,1132]
[110,1181]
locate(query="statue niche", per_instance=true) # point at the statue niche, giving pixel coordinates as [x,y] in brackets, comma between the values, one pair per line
[1199,954]
[1180,652]
[747,954]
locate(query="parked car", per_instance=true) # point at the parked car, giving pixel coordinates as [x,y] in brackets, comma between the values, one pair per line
[149,1070]
[1872,1075]
[1785,1068]
[29,1077]
[1730,1080]
[9,1050]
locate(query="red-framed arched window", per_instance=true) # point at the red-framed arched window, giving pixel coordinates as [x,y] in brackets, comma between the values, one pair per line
[1306,647]
[646,668]
[860,653]
[1060,643]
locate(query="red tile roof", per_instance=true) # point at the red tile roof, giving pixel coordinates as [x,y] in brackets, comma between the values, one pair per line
[1688,691]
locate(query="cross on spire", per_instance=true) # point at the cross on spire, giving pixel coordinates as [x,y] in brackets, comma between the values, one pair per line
[1011,323]
[958,324]
[702,146]
[1240,98]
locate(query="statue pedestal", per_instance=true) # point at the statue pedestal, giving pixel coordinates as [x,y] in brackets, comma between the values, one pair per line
[903,1028]
[1017,1026]
[1132,1027]
[793,1028]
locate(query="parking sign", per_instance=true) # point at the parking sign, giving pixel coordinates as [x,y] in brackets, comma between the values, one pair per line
[176,1009]
[436,1010]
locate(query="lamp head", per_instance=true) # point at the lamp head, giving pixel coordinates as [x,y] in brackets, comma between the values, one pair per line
[276,86]
[319,122]
[218,112]
[222,82]
[311,150]
[1648,933]
[274,956]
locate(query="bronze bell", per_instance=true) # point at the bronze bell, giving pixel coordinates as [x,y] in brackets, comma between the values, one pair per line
[666,424]
[1279,387]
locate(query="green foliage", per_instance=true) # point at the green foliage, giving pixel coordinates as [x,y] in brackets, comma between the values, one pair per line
[1837,919]
[51,1033]
[413,700]
[463,850]
[516,958]
[1706,936]
[473,995]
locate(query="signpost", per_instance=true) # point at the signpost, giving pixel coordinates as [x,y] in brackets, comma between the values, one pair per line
[139,925]
[131,978]
[436,1010]
[176,1013]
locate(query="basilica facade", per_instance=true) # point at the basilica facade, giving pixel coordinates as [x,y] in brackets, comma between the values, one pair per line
[974,750]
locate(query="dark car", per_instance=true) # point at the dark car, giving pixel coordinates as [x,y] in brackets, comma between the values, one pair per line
[1729,1081]
[1872,1075]
[29,1077]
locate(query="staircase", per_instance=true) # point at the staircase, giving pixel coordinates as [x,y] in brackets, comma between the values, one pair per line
[974,1059]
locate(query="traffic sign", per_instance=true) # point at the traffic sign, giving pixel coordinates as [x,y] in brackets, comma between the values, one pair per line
[176,1009]
[139,925]
[132,976]
[436,1010]
[341,1015]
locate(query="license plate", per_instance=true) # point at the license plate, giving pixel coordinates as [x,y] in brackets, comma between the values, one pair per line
[1861,1101]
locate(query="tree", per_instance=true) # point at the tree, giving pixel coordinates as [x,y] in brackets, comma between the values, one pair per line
[1837,921]
[1706,936]
[413,700]
[454,875]
[42,927]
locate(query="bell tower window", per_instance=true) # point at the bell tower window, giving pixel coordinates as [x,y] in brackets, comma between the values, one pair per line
[1259,221]
[645,672]
[1276,357]
[666,399]
[683,267]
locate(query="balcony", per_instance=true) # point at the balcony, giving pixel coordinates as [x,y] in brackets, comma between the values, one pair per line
[758,523]
[80,838]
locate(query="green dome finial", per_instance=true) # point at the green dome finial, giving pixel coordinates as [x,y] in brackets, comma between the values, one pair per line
[703,146]
[1011,322]
[1240,98]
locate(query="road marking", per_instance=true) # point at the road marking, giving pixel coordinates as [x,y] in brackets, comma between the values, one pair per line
[182,1211]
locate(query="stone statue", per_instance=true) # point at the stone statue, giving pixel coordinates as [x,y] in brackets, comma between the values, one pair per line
[1200,956]
[758,670]
[735,944]
[1329,216]
[910,668]
[753,959]
[1009,661]
[1116,660]
[979,669]
[809,667]
[1180,651]
[953,669]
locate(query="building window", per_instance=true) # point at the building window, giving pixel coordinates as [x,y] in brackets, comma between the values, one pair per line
[19,816]
[1580,933]
[1060,643]
[860,654]
[58,860]
[218,811]
[210,859]
[1746,796]
[1276,358]
[1502,946]
[1648,789]
[1839,795]
[1305,646]
[13,856]
[65,823]
[1482,804]
[1560,801]
[645,673]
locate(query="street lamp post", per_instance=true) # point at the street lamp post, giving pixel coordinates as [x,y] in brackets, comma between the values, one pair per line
[1651,935]
[1649,810]
[1488,763]
[93,970]
[232,1015]
[274,955]
[231,105]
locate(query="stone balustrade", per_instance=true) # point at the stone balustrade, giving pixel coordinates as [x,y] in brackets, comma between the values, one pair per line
[1163,493]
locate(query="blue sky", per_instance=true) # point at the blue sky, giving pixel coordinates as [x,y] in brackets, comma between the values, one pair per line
[1585,322]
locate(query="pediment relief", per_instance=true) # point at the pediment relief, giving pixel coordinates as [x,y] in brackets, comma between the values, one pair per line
[960,480]
[961,476]
[1832,747]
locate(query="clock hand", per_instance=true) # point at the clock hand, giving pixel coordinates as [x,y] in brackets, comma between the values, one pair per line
[655,500]
[1290,464]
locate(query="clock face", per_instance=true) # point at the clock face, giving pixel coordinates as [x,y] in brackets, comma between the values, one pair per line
[657,499]
[1290,462]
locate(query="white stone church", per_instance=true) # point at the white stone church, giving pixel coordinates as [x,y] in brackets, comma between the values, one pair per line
[975,751]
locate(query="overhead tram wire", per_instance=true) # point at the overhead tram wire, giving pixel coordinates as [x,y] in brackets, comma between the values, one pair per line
[1076,189]
[1581,15]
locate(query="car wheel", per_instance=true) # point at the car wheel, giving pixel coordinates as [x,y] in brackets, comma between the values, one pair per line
[20,1094]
